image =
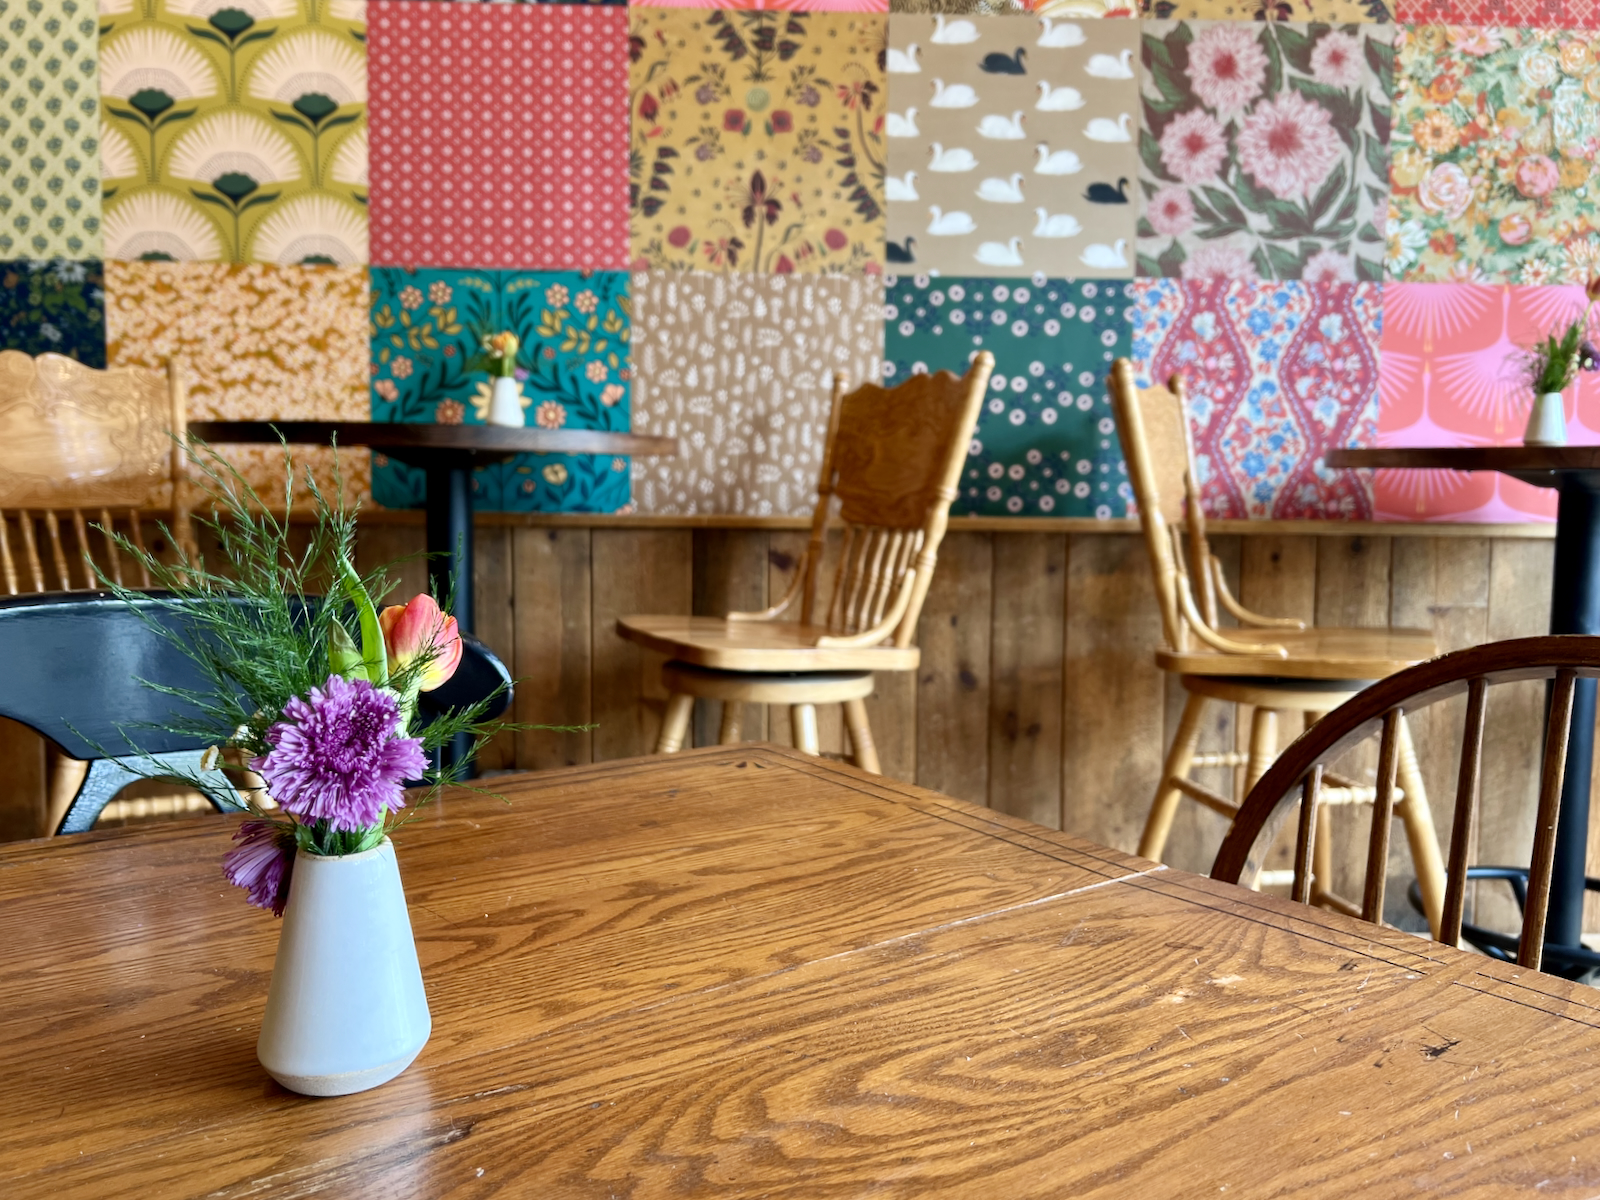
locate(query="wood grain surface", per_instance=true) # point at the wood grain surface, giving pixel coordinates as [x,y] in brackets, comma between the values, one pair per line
[763,975]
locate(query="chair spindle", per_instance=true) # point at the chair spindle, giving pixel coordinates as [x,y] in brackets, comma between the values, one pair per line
[1382,817]
[137,538]
[1310,798]
[6,560]
[58,552]
[1468,787]
[113,559]
[1557,729]
[30,543]
[80,529]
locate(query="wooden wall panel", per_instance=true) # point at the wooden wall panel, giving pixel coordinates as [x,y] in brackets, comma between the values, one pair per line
[1114,697]
[953,681]
[635,571]
[1026,645]
[730,575]
[495,624]
[1519,606]
[1037,691]
[554,645]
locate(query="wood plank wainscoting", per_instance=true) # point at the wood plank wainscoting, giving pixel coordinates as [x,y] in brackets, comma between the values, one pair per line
[1038,694]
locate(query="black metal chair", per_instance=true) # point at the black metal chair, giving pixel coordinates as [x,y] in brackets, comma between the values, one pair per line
[74,666]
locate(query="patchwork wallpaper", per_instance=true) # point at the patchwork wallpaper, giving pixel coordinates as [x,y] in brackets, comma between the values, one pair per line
[1340,220]
[739,369]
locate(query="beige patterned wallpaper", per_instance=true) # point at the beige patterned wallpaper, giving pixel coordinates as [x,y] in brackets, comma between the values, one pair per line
[740,368]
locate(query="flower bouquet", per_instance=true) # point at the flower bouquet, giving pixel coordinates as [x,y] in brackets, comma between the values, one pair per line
[314,688]
[497,355]
[1550,365]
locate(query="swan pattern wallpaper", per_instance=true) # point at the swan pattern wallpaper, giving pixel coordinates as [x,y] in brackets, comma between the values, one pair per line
[1340,221]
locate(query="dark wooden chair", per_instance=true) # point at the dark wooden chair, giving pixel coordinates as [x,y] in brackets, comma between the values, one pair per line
[1297,776]
[73,671]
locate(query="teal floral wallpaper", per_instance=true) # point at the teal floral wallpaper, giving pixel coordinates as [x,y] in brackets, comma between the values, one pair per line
[54,307]
[49,130]
[1046,444]
[574,370]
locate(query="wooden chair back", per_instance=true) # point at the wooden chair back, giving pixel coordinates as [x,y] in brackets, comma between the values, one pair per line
[80,445]
[1297,776]
[1153,427]
[892,464]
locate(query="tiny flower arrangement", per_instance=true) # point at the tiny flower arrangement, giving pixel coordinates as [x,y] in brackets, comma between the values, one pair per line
[329,721]
[1553,362]
[497,354]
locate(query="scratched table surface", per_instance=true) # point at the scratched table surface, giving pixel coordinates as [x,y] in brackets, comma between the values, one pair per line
[742,972]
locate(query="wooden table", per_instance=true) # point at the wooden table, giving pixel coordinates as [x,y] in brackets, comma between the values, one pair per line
[756,974]
[1574,473]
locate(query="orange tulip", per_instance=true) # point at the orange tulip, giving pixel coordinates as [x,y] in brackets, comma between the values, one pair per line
[421,628]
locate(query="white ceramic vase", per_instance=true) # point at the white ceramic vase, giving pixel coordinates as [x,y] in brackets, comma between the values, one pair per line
[505,402]
[346,1009]
[1547,423]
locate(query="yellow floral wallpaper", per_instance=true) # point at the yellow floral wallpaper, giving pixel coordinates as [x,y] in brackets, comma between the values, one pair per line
[49,130]
[259,341]
[756,140]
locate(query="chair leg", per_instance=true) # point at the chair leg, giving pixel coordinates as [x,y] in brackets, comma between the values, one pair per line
[731,731]
[1263,745]
[804,719]
[855,718]
[1420,833]
[676,725]
[1165,806]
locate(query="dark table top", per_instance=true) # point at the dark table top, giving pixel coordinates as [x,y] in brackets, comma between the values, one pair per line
[1539,465]
[397,438]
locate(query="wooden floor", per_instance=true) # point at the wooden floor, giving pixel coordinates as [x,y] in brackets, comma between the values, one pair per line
[1037,694]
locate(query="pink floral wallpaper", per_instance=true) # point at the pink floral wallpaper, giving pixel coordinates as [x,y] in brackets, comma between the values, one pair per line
[1278,373]
[499,135]
[1450,378]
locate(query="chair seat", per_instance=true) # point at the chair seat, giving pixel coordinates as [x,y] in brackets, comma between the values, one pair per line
[766,687]
[1313,654]
[758,645]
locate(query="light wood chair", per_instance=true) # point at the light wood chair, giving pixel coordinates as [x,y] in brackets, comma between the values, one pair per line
[892,459]
[1273,665]
[80,446]
[1299,776]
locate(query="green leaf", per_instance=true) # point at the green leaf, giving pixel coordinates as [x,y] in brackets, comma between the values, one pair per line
[1327,194]
[208,198]
[258,199]
[1227,208]
[334,122]
[206,35]
[1295,45]
[374,654]
[1150,155]
[1285,264]
[174,115]
[1169,263]
[293,119]
[344,656]
[256,35]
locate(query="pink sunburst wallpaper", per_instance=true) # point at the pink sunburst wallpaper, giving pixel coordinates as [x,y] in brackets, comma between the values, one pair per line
[1450,378]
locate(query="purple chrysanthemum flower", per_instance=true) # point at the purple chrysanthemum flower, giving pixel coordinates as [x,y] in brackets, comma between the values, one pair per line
[261,862]
[340,757]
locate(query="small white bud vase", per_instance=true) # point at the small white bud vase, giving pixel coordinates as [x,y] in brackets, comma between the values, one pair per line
[505,402]
[1547,423]
[346,1010]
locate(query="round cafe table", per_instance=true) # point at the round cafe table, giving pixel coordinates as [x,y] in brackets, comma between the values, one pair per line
[448,454]
[1574,473]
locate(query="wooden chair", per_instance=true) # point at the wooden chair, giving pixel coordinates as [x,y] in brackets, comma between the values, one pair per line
[1274,665]
[75,672]
[79,446]
[1299,774]
[893,459]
